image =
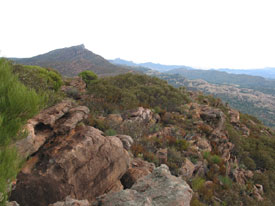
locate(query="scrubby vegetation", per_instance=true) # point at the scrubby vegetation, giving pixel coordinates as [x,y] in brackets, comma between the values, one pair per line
[42,80]
[129,91]
[17,104]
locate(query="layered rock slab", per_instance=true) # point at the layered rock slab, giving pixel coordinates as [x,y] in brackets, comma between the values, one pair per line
[59,119]
[158,188]
[82,164]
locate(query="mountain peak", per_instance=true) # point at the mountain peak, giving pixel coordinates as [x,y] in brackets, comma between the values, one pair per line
[70,61]
[81,46]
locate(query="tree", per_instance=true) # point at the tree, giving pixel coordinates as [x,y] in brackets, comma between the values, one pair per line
[17,104]
[88,77]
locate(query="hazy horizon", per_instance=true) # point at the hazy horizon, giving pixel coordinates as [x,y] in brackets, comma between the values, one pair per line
[201,34]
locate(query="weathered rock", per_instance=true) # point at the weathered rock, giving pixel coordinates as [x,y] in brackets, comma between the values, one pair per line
[114,119]
[166,131]
[60,118]
[159,188]
[162,155]
[234,116]
[203,144]
[140,116]
[187,169]
[83,165]
[258,191]
[241,175]
[248,174]
[126,140]
[245,130]
[71,202]
[13,203]
[138,168]
[75,82]
[201,168]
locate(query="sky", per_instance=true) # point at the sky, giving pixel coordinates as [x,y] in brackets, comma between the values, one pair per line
[236,34]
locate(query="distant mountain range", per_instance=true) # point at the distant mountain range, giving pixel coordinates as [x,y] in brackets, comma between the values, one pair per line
[268,72]
[150,65]
[73,60]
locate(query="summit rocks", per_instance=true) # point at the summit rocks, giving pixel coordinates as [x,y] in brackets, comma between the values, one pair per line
[67,161]
[158,188]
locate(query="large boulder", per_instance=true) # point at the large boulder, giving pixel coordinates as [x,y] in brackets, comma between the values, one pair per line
[140,115]
[59,119]
[71,202]
[187,169]
[82,164]
[159,188]
[138,168]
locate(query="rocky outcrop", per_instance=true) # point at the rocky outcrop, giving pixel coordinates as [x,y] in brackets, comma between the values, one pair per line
[59,119]
[234,116]
[187,169]
[71,202]
[159,188]
[126,140]
[66,160]
[258,192]
[13,203]
[140,116]
[138,168]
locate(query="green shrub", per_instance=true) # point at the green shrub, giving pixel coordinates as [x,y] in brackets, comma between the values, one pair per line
[182,145]
[44,81]
[196,202]
[110,132]
[225,181]
[216,159]
[88,77]
[17,104]
[38,78]
[197,183]
[73,93]
[206,155]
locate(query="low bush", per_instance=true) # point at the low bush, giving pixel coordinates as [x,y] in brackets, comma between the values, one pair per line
[88,77]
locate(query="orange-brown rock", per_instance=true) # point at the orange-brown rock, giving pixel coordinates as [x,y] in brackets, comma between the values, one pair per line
[83,165]
[138,168]
[187,169]
[59,119]
[234,116]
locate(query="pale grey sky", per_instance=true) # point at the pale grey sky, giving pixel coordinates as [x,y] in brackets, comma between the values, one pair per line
[200,33]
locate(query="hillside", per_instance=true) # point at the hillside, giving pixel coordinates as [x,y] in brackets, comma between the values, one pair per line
[246,100]
[124,128]
[73,60]
[217,77]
